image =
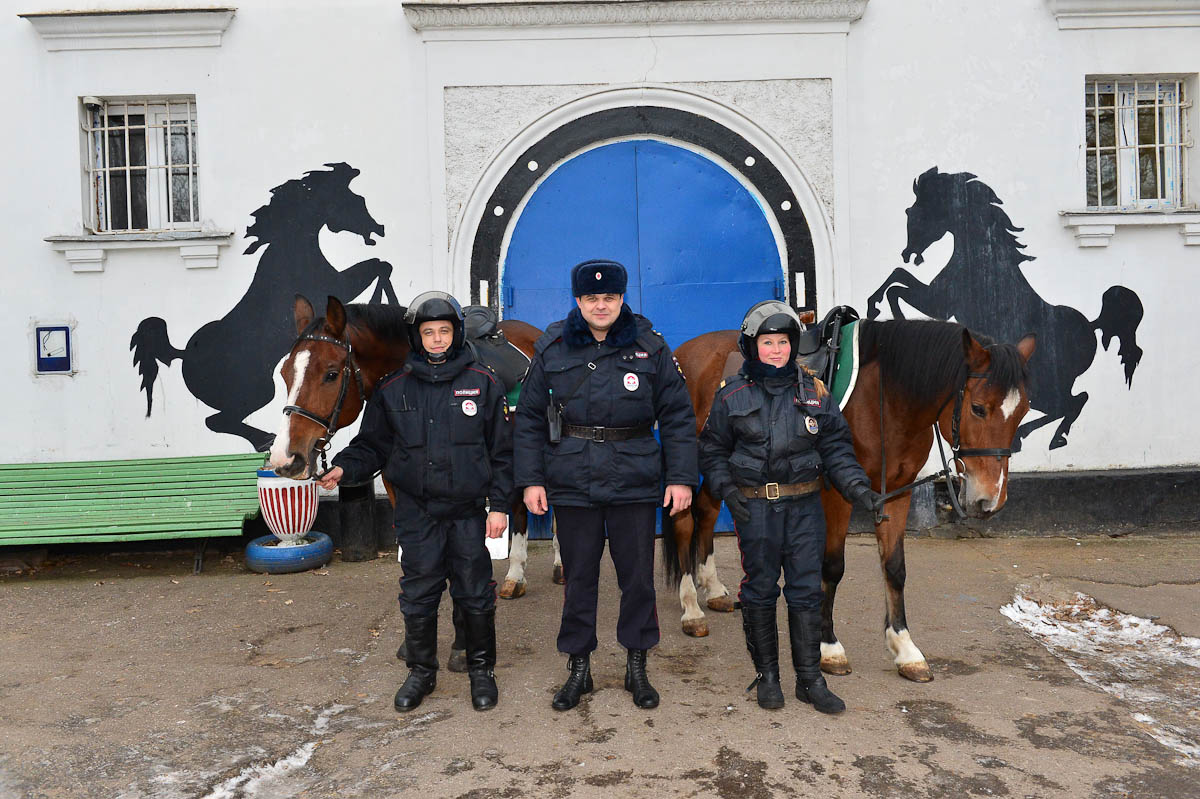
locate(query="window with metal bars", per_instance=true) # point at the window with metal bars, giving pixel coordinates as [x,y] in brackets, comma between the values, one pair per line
[1136,142]
[141,164]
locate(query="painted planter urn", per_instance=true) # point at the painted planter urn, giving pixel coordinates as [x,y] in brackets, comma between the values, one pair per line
[289,506]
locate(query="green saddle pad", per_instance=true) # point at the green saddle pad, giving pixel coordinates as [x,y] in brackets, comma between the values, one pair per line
[845,374]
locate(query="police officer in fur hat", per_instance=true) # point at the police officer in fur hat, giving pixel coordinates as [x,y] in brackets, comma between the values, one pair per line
[438,431]
[773,433]
[584,443]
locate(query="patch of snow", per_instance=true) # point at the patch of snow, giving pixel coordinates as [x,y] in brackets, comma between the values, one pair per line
[254,778]
[1147,665]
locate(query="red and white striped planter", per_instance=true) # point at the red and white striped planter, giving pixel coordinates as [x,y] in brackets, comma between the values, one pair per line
[289,506]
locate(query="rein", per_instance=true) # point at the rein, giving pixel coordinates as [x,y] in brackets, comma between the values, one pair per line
[957,451]
[330,422]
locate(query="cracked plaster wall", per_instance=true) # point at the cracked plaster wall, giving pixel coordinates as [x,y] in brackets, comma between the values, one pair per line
[479,120]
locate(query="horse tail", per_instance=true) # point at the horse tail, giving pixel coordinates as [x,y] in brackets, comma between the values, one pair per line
[673,569]
[1120,313]
[151,346]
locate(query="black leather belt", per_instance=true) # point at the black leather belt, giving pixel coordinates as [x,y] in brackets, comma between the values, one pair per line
[777,490]
[602,434]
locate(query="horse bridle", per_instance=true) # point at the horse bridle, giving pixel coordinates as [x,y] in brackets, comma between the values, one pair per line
[330,422]
[957,452]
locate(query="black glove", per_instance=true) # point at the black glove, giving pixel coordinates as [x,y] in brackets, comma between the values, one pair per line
[737,505]
[862,494]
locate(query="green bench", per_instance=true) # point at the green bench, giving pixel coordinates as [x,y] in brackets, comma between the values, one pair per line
[129,500]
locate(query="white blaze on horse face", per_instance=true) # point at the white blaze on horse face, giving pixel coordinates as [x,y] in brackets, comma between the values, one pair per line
[279,449]
[1010,403]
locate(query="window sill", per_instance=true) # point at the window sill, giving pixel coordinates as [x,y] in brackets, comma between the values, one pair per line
[1096,228]
[199,249]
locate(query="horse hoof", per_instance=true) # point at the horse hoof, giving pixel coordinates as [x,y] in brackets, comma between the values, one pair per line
[696,628]
[917,672]
[557,576]
[458,661]
[721,604]
[838,666]
[512,589]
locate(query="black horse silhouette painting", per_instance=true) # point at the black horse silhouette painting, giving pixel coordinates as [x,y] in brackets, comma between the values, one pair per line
[228,363]
[982,287]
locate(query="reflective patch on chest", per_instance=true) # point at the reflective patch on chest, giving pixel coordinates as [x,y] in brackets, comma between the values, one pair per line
[640,354]
[631,381]
[469,408]
[466,392]
[810,424]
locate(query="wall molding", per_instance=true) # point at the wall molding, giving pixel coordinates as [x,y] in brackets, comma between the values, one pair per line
[1094,14]
[131,30]
[452,14]
[88,253]
[1096,228]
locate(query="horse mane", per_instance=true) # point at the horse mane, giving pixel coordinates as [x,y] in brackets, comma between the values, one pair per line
[980,199]
[924,359]
[385,321]
[277,217]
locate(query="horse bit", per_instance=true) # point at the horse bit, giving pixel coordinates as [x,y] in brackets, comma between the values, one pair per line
[957,451]
[330,422]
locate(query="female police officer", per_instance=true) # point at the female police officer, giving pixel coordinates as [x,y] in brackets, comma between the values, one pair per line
[772,432]
[584,442]
[437,428]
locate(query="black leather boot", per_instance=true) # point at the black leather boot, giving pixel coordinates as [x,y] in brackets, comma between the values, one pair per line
[578,683]
[805,629]
[636,681]
[420,633]
[481,658]
[762,639]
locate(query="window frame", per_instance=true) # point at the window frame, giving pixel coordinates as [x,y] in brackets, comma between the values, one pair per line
[1171,172]
[157,116]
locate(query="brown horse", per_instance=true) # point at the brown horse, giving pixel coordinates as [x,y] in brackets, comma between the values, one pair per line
[913,376]
[332,371]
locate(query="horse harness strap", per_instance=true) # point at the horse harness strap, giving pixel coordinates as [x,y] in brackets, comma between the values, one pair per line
[602,434]
[330,422]
[774,491]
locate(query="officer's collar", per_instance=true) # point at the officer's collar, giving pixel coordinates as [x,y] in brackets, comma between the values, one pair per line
[436,373]
[623,333]
[758,371]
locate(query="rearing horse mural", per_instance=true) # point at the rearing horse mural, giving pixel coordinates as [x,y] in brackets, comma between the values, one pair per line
[219,367]
[982,287]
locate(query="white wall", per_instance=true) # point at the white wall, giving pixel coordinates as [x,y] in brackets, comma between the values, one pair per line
[992,88]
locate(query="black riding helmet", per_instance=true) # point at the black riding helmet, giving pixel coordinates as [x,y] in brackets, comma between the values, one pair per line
[430,307]
[769,316]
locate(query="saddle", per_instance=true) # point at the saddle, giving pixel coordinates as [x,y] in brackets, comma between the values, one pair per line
[818,347]
[484,336]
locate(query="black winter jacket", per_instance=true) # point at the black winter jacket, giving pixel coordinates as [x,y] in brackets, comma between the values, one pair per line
[759,432]
[635,382]
[440,435]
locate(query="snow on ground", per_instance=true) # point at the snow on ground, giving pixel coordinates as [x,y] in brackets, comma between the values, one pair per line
[1146,665]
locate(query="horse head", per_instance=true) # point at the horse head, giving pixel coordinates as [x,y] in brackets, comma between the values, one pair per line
[929,215]
[961,204]
[325,391]
[990,406]
[322,198]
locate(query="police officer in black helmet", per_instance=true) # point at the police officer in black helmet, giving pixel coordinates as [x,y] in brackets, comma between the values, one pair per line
[772,434]
[599,381]
[438,431]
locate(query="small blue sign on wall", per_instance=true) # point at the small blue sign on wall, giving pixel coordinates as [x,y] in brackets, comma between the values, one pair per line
[53,344]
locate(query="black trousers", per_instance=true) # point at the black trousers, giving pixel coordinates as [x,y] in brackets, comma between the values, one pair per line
[786,534]
[433,550]
[630,533]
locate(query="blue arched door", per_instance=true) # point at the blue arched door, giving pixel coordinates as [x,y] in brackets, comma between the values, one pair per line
[697,244]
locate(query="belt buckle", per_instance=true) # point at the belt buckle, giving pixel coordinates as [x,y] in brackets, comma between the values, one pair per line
[774,486]
[598,434]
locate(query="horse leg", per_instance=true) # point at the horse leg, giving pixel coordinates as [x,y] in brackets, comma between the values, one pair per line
[707,508]
[231,422]
[898,275]
[557,574]
[1073,410]
[692,620]
[513,586]
[354,280]
[890,538]
[1028,427]
[833,566]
